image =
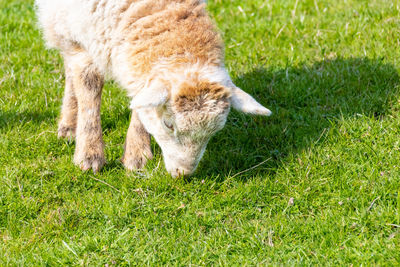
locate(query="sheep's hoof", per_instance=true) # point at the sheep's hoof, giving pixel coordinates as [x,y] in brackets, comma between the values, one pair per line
[65,131]
[134,161]
[87,162]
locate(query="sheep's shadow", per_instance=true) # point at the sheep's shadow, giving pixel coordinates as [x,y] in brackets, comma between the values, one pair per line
[12,118]
[304,102]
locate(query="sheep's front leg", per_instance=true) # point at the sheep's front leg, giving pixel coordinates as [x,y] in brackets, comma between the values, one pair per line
[88,84]
[137,145]
[69,109]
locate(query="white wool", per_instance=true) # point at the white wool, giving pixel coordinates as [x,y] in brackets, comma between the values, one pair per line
[73,20]
[98,33]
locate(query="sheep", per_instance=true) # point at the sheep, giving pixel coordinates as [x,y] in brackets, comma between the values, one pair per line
[169,57]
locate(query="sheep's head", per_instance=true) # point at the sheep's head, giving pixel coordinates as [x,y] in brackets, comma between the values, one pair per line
[183,120]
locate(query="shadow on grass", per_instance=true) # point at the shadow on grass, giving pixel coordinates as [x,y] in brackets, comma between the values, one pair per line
[304,102]
[13,119]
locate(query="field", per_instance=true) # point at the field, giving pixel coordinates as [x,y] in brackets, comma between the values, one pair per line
[318,182]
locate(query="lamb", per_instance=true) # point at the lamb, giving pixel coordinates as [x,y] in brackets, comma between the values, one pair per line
[168,56]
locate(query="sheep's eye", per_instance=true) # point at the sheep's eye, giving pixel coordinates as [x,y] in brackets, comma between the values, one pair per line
[169,125]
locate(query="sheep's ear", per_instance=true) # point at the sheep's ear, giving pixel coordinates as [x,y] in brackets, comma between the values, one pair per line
[242,101]
[150,97]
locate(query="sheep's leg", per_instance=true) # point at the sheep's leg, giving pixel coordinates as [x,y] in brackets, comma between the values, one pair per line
[69,109]
[137,145]
[88,84]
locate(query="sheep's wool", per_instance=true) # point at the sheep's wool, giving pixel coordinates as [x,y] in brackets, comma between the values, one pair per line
[167,55]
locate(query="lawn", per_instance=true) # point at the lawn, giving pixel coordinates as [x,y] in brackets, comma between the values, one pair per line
[318,182]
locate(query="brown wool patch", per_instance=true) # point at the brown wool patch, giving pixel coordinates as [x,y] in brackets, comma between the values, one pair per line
[92,80]
[170,29]
[200,95]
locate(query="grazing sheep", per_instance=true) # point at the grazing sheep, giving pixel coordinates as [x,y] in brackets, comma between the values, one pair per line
[169,57]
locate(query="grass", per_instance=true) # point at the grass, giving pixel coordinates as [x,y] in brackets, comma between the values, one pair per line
[328,192]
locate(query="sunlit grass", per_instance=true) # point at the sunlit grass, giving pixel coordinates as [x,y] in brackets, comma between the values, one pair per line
[327,192]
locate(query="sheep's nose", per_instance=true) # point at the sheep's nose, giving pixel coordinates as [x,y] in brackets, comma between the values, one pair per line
[180,172]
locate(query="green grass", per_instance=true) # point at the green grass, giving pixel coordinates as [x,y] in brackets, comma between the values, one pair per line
[328,193]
